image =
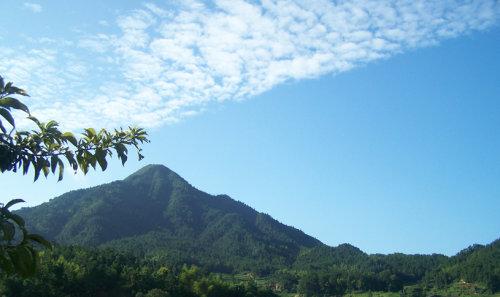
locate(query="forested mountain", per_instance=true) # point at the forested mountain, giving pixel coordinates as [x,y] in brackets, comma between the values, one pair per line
[160,220]
[475,264]
[156,212]
[77,271]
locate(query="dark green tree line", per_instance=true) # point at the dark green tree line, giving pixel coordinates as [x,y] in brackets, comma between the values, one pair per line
[80,272]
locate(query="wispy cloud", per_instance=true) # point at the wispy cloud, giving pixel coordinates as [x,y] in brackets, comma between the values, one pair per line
[33,7]
[170,63]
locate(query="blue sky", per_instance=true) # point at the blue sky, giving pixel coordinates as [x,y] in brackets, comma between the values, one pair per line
[368,122]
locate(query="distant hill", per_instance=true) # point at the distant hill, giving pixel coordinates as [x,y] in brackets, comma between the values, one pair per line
[156,212]
[475,264]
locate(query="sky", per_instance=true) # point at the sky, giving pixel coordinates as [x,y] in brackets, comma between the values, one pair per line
[368,122]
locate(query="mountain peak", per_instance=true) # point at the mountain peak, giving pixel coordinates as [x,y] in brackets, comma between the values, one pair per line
[349,249]
[155,211]
[151,168]
[155,173]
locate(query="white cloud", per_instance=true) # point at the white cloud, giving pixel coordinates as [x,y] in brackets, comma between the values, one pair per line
[166,64]
[33,7]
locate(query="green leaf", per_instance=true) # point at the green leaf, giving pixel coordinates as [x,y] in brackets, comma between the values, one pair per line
[12,202]
[100,155]
[53,163]
[45,170]
[70,137]
[51,124]
[85,167]
[2,127]
[7,86]
[6,263]
[124,159]
[34,120]
[91,159]
[82,162]
[6,114]
[61,170]
[71,160]
[90,132]
[40,240]
[16,218]
[24,260]
[17,91]
[121,149]
[9,102]
[8,230]
[38,168]
[103,163]
[2,84]
[26,165]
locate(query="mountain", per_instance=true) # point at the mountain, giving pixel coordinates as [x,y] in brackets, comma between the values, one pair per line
[475,264]
[158,216]
[156,212]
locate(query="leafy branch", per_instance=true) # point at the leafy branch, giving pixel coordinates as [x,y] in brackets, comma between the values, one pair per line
[17,245]
[47,149]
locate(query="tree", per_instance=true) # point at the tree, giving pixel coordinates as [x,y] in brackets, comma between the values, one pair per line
[46,149]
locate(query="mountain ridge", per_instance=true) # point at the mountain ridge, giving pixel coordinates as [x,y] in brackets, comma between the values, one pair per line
[156,214]
[163,213]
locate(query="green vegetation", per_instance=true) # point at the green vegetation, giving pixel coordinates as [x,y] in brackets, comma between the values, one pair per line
[46,149]
[79,272]
[156,212]
[162,221]
[475,265]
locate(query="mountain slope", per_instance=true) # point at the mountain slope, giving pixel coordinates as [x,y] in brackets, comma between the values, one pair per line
[154,211]
[475,264]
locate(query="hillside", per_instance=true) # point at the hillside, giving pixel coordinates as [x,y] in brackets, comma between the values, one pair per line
[156,212]
[475,264]
[159,217]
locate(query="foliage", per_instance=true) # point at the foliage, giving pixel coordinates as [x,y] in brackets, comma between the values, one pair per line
[17,253]
[475,264]
[46,149]
[168,221]
[78,272]
[168,218]
[171,223]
